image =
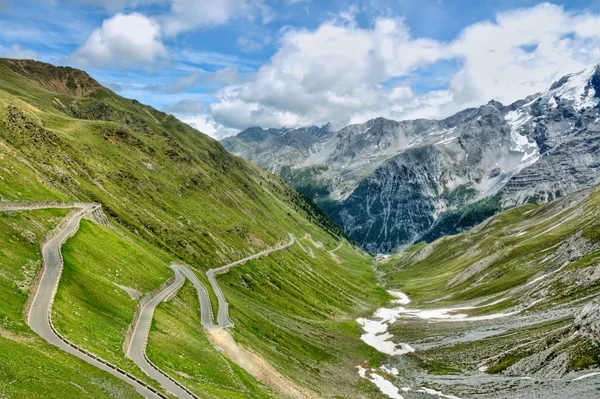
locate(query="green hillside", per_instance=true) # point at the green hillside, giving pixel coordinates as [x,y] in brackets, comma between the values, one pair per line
[31,368]
[526,282]
[171,193]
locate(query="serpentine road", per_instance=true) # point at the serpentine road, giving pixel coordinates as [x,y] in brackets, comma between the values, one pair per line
[137,347]
[39,317]
[141,329]
[223,320]
[40,314]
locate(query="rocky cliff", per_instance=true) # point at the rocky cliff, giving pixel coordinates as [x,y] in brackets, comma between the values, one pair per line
[390,183]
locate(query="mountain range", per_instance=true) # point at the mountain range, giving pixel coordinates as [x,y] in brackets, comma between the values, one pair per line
[141,259]
[392,183]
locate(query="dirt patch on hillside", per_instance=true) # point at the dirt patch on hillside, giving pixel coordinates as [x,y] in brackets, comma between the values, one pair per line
[256,365]
[14,337]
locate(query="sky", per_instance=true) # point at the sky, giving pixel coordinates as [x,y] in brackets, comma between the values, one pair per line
[226,65]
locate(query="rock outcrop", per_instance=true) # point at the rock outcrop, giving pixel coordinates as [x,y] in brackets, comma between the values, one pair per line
[588,321]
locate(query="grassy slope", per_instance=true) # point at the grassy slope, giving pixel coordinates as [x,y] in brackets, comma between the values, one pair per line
[179,191]
[177,344]
[30,367]
[91,306]
[299,313]
[296,311]
[560,240]
[520,256]
[194,192]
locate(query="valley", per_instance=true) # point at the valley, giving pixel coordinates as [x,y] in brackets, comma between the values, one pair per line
[510,306]
[204,276]
[196,205]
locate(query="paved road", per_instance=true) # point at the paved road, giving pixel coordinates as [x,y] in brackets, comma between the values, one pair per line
[223,319]
[137,347]
[41,308]
[206,314]
[38,318]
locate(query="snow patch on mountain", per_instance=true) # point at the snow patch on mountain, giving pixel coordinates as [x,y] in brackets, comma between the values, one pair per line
[576,88]
[385,386]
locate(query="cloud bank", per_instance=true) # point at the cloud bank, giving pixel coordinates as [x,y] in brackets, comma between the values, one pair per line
[343,72]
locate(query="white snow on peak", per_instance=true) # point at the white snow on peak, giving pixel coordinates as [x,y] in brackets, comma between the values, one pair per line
[442,132]
[447,140]
[577,89]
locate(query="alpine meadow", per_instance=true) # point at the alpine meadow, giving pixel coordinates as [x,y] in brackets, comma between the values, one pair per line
[272,199]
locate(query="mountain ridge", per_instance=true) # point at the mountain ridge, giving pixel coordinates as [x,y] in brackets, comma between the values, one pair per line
[519,152]
[170,193]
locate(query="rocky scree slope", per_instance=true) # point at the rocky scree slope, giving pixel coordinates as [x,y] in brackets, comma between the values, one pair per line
[507,309]
[389,183]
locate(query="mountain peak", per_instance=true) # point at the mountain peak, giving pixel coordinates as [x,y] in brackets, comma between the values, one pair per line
[581,89]
[58,79]
[496,104]
[255,134]
[595,81]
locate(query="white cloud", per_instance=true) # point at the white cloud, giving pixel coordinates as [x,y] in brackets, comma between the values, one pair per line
[401,93]
[227,75]
[343,73]
[178,86]
[183,83]
[496,65]
[123,40]
[329,74]
[207,125]
[185,107]
[193,14]
[114,5]
[18,52]
[250,45]
[211,58]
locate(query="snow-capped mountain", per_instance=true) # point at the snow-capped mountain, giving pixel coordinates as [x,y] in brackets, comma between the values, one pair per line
[389,183]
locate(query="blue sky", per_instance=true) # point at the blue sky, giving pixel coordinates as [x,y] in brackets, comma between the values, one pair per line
[223,66]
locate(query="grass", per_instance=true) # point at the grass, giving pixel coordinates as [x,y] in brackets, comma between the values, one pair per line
[512,260]
[31,368]
[173,186]
[299,313]
[295,311]
[91,308]
[20,259]
[557,240]
[19,182]
[172,193]
[178,345]
[35,370]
